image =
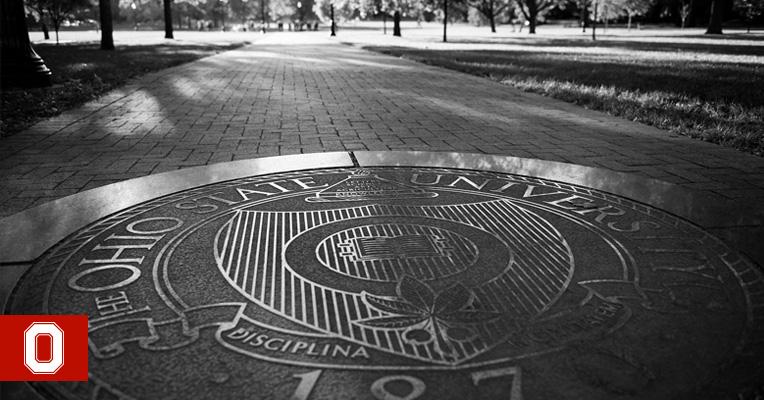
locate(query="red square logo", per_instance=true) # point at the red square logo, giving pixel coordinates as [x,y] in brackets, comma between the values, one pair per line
[44,347]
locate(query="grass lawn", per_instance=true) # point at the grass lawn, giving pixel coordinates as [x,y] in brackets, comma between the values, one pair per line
[82,72]
[711,90]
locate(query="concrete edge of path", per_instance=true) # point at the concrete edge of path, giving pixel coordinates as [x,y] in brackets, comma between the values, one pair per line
[702,208]
[27,235]
[739,223]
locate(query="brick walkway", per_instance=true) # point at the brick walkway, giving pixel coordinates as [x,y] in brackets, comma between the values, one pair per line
[276,97]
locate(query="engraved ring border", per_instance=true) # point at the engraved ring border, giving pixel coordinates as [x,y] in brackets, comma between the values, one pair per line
[56,257]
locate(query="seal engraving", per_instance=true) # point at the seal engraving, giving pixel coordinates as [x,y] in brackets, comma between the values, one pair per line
[399,283]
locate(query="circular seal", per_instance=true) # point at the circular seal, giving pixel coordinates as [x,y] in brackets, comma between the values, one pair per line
[399,283]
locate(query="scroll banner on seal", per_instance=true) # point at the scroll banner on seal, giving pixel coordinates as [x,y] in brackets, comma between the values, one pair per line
[236,331]
[107,340]
[623,291]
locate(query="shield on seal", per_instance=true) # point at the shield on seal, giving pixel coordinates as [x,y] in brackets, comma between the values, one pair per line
[437,283]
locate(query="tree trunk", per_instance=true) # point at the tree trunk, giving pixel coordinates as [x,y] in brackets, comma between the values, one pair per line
[168,19]
[715,23]
[333,24]
[628,26]
[44,27]
[107,41]
[384,23]
[445,19]
[57,43]
[492,16]
[583,16]
[264,16]
[397,23]
[594,21]
[533,13]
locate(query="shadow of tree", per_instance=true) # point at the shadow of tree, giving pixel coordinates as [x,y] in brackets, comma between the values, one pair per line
[742,45]
[271,100]
[82,71]
[714,99]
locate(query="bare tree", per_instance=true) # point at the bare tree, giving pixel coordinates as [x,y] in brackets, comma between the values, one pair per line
[532,9]
[490,8]
[684,11]
[60,10]
[634,8]
[612,9]
[38,6]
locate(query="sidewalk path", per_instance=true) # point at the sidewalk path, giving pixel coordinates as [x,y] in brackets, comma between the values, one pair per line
[285,95]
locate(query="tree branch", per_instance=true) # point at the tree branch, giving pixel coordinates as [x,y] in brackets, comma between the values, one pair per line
[544,5]
[521,6]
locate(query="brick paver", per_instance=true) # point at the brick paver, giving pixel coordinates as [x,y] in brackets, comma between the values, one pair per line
[276,97]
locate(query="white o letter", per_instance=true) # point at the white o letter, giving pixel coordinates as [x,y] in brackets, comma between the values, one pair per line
[31,337]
